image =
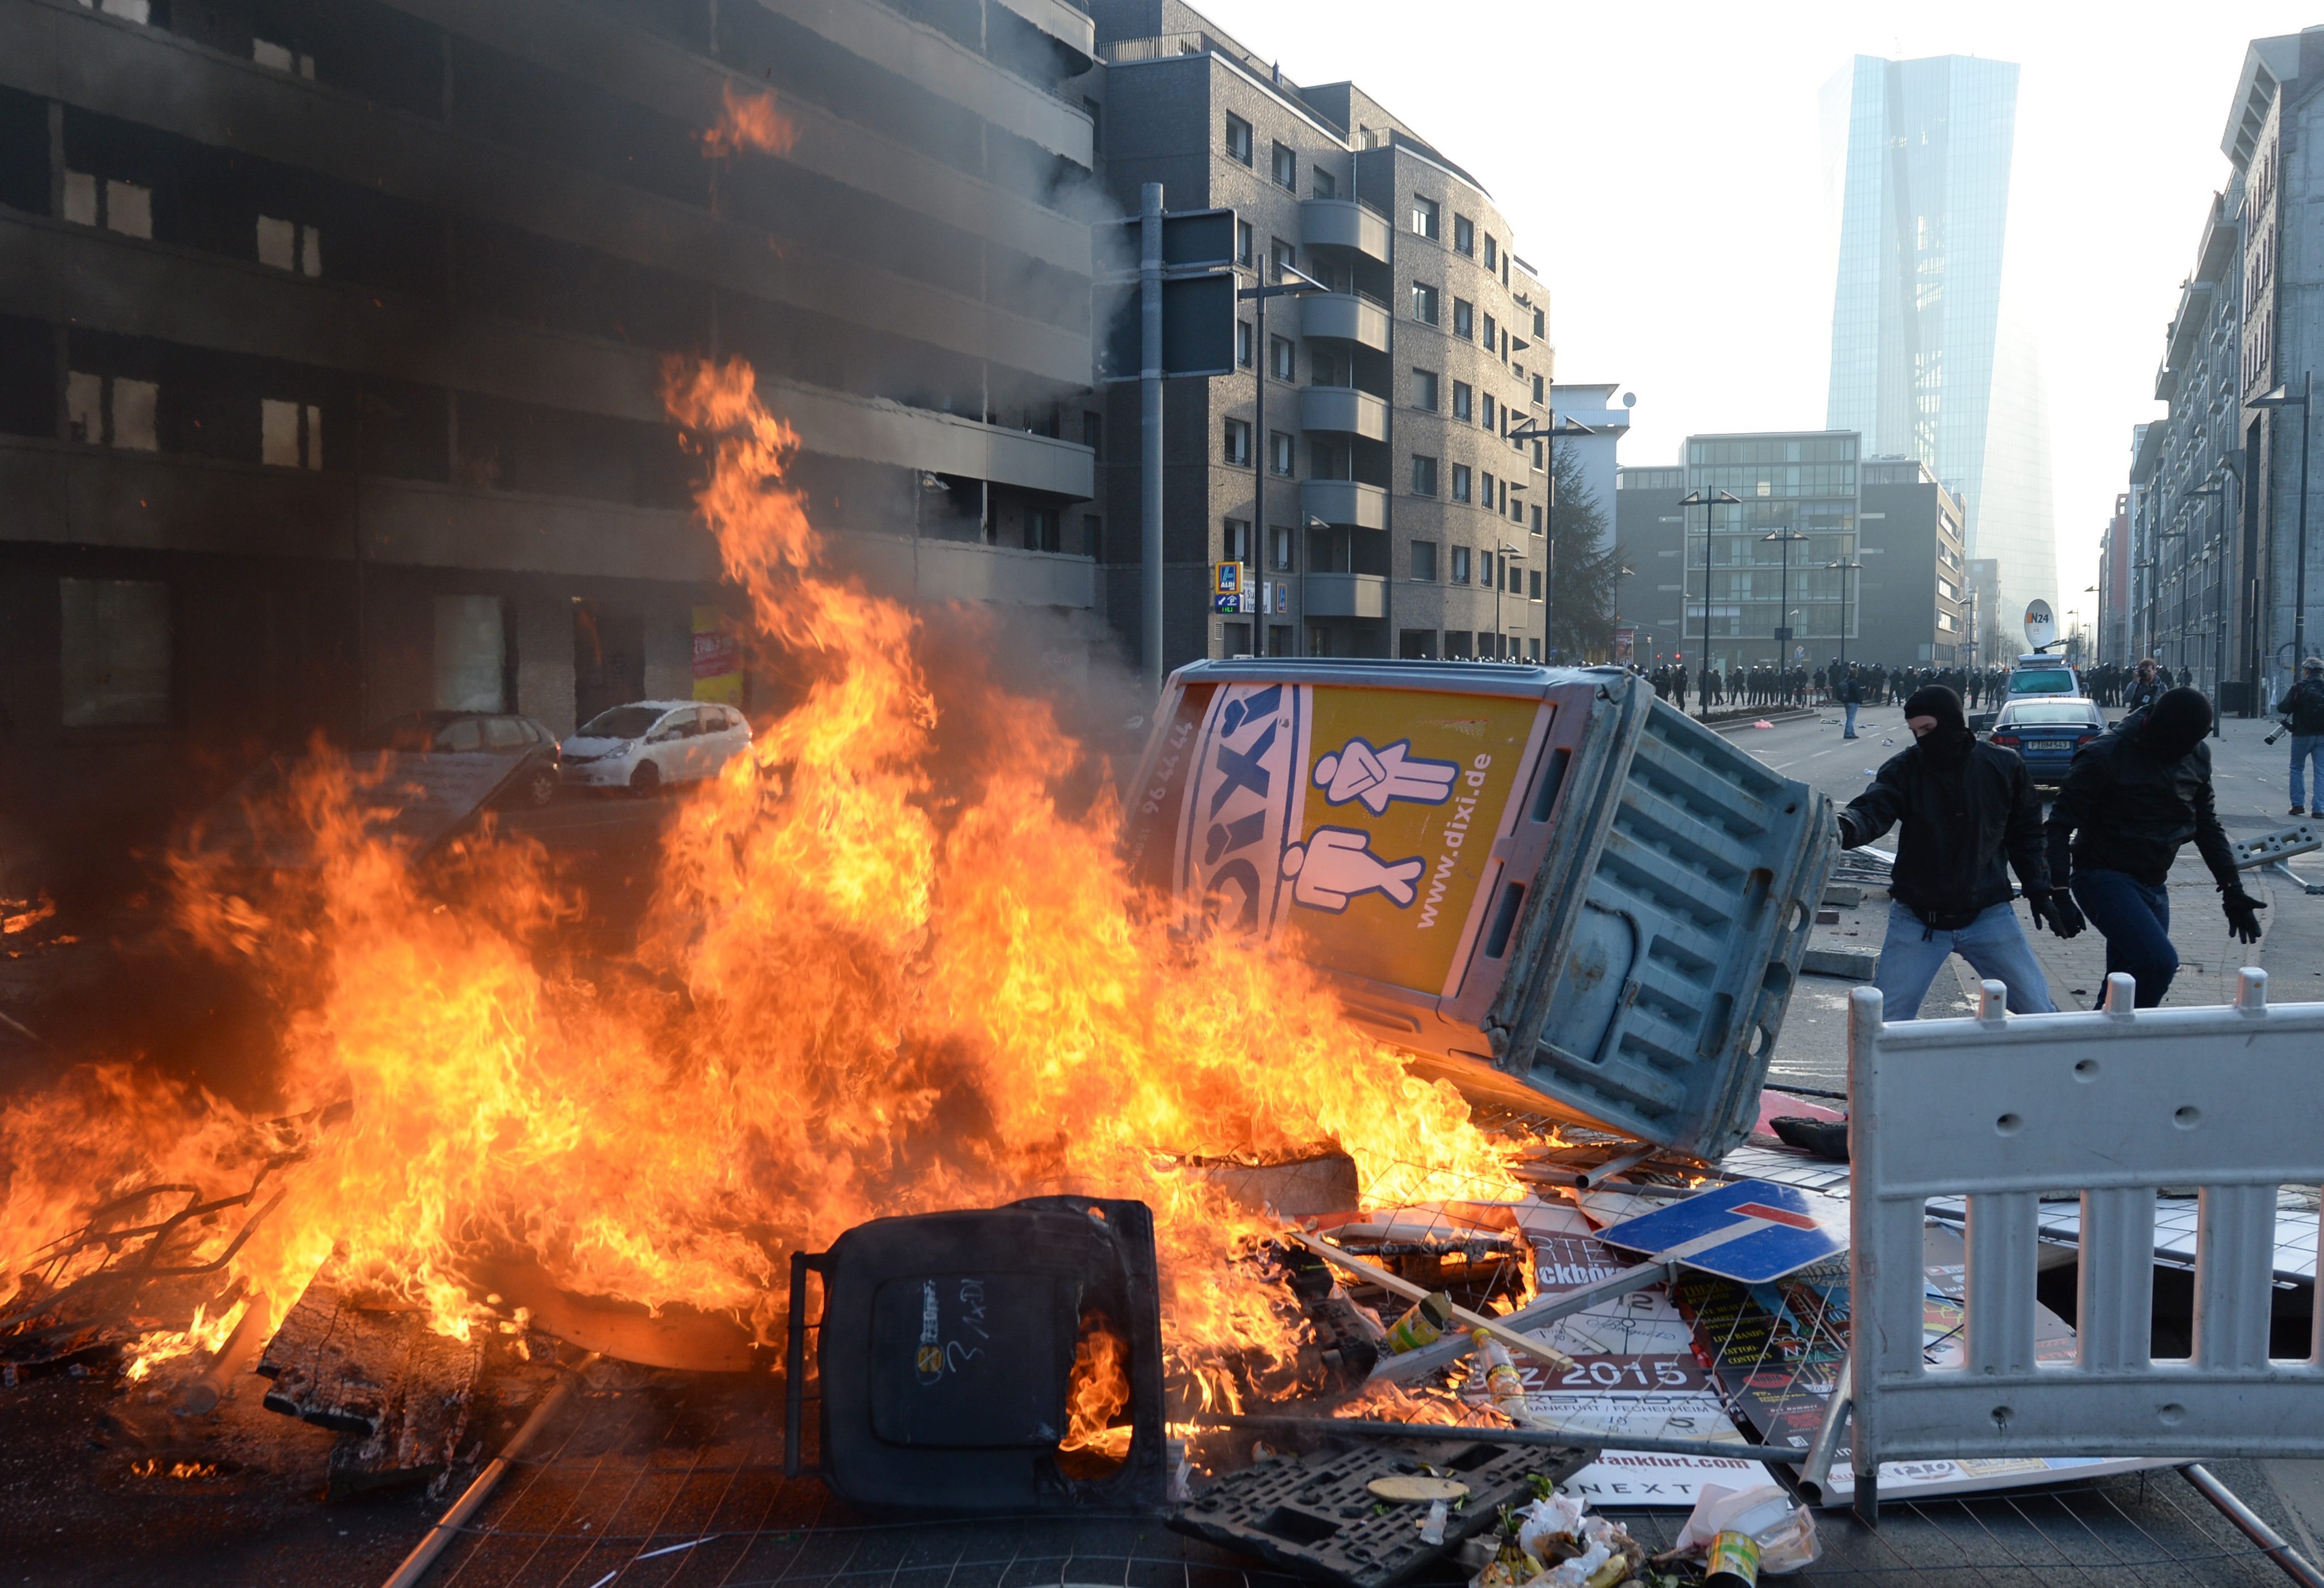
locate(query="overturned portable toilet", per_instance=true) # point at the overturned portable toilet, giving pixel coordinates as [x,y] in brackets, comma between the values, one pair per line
[1551,887]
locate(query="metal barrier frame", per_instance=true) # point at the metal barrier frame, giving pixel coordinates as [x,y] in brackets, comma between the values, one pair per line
[2114,1104]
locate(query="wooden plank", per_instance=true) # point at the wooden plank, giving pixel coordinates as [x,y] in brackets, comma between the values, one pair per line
[398,1391]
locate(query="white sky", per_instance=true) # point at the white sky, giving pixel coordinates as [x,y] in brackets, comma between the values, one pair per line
[1668,179]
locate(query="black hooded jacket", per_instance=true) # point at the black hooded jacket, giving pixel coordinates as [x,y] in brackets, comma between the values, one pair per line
[2124,808]
[1960,817]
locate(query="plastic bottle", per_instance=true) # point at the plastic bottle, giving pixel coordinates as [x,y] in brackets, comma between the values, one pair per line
[1503,1386]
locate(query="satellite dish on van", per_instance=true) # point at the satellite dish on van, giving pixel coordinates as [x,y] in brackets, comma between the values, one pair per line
[2040,626]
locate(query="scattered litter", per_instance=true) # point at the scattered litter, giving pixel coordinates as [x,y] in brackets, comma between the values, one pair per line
[1556,1544]
[1318,1514]
[1781,1536]
[1763,723]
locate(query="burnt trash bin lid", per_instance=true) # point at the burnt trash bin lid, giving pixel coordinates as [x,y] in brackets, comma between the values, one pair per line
[947,1342]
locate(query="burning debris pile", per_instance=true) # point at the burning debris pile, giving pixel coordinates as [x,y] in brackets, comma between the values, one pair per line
[888,971]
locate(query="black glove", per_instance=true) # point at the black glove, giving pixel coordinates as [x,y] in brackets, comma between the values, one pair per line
[2243,914]
[2056,910]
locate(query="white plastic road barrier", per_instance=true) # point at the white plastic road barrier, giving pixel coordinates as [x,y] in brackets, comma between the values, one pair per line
[2113,1105]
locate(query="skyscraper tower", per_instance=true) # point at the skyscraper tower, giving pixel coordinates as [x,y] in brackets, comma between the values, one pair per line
[1926,360]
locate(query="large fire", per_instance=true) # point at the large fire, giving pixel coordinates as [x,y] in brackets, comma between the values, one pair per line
[869,984]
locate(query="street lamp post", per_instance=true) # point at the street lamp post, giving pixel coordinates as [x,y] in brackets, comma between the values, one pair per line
[1261,448]
[1697,499]
[1548,435]
[1783,595]
[1844,569]
[2219,646]
[2281,397]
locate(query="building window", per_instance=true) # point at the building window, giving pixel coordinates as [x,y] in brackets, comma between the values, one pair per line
[1485,569]
[119,207]
[287,245]
[1464,401]
[1286,167]
[1281,362]
[1424,475]
[1464,318]
[1237,540]
[1279,452]
[1237,442]
[1424,561]
[1244,243]
[1424,390]
[1424,216]
[1093,432]
[1540,325]
[1536,389]
[1485,412]
[471,653]
[275,57]
[1533,581]
[1485,495]
[1459,483]
[1423,303]
[1092,536]
[1460,564]
[1045,529]
[1278,548]
[1239,139]
[1492,256]
[110,411]
[1242,344]
[1327,185]
[290,434]
[1536,519]
[1280,255]
[1464,235]
[114,652]
[1492,336]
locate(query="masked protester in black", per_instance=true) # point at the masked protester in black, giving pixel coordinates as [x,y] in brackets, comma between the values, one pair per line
[2131,800]
[1963,807]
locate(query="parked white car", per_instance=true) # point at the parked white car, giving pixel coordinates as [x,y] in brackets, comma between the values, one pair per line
[648,744]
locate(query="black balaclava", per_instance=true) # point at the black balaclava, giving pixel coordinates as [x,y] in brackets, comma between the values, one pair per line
[1948,742]
[2176,722]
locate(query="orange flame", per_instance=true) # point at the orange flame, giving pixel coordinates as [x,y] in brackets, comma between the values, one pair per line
[881,974]
[1096,1392]
[749,121]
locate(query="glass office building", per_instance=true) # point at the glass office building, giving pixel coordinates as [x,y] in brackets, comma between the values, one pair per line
[1925,362]
[1769,551]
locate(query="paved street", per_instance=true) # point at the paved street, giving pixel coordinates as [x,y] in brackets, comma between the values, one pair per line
[2250,780]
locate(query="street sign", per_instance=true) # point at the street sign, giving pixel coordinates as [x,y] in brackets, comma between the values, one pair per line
[1751,1231]
[1198,320]
[1192,239]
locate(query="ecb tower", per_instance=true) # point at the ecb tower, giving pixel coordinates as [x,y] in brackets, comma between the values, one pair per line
[1926,362]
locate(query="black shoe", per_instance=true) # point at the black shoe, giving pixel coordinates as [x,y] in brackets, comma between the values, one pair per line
[1823,1138]
[2298,810]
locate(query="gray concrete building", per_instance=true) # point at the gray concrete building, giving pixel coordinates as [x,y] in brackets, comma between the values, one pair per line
[331,333]
[1399,518]
[1650,537]
[2193,596]
[1910,599]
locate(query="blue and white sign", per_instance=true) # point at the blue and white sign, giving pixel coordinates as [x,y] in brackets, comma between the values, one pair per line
[1751,1231]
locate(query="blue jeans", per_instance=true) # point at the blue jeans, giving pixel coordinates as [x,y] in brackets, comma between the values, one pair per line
[1852,706]
[1996,949]
[2136,921]
[2305,748]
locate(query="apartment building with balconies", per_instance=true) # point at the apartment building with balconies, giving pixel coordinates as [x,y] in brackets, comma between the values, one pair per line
[1360,458]
[331,339]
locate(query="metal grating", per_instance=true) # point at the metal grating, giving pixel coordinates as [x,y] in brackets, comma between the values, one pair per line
[677,1482]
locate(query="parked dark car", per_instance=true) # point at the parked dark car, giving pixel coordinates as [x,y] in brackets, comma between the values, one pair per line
[2046,730]
[489,733]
